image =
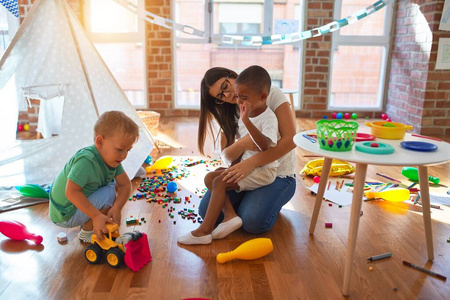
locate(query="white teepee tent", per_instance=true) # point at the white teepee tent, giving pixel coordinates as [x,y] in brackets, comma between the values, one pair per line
[50,58]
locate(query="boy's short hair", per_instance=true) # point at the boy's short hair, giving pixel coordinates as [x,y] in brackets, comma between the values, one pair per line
[114,121]
[255,77]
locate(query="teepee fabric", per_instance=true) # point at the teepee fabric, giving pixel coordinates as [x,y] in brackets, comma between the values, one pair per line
[51,49]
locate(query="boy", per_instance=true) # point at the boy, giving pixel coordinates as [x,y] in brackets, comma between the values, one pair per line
[84,192]
[252,87]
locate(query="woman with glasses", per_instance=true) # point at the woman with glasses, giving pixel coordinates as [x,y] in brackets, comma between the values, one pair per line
[258,208]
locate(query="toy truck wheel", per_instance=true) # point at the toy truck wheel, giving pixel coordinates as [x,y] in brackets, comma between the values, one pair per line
[93,253]
[114,257]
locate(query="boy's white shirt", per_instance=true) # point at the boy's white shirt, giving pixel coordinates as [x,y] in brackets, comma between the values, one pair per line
[286,166]
[267,124]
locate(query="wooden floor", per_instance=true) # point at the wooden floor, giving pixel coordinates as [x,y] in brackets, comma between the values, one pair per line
[301,266]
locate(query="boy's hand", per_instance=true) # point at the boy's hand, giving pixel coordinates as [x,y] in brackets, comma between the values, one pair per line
[115,214]
[238,171]
[99,223]
[245,109]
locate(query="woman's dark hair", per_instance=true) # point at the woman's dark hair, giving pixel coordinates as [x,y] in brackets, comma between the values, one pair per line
[225,114]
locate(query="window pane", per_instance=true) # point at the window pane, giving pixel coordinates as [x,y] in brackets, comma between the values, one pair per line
[107,16]
[191,13]
[371,25]
[247,17]
[356,76]
[242,18]
[126,62]
[193,60]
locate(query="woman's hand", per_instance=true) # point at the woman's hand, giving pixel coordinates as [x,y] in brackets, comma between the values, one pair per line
[238,171]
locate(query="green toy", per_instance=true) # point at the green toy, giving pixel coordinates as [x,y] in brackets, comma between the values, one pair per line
[413,174]
[32,191]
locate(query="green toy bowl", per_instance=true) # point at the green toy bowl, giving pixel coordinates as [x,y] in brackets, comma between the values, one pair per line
[336,135]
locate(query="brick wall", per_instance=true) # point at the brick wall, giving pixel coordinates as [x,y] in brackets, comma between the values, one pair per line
[317,60]
[418,94]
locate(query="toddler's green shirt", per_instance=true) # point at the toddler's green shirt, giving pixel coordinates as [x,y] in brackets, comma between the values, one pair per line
[88,170]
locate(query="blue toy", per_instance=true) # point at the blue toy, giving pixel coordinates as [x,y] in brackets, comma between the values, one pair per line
[172,187]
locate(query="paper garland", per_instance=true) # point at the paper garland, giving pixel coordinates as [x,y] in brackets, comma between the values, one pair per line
[260,40]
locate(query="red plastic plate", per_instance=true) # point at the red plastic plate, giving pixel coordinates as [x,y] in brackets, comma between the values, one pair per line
[363,137]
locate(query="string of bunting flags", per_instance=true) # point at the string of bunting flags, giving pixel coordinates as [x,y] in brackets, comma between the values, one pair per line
[254,40]
[12,6]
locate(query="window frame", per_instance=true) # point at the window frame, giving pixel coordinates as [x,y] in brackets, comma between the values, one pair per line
[210,37]
[209,22]
[383,41]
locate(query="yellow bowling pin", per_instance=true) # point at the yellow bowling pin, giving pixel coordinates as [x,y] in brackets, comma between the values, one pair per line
[161,163]
[252,249]
[395,195]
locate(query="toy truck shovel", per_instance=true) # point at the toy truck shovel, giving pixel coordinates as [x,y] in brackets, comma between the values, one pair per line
[137,253]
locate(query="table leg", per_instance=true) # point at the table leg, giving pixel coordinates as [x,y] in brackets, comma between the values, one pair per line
[320,191]
[425,198]
[358,191]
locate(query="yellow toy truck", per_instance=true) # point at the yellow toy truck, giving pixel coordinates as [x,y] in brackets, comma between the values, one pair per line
[131,247]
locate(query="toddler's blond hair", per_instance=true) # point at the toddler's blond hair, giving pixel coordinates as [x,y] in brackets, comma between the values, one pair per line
[114,121]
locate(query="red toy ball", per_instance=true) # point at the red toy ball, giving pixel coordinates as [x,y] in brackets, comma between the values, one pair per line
[384,116]
[347,116]
[388,120]
[20,127]
[316,179]
[333,115]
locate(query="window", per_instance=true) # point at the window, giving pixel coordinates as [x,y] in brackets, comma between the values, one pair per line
[240,18]
[8,27]
[118,34]
[359,57]
[195,55]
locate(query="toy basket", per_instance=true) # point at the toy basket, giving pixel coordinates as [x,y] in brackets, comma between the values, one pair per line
[151,121]
[336,135]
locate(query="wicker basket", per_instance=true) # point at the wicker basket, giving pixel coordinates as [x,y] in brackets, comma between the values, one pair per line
[336,135]
[151,121]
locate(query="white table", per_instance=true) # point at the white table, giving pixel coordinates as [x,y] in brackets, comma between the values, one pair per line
[401,157]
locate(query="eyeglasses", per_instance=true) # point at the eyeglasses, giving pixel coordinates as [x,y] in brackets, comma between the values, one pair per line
[225,87]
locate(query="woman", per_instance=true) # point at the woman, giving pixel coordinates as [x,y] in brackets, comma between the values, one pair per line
[259,208]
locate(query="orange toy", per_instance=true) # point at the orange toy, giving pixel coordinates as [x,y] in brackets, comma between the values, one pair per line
[252,249]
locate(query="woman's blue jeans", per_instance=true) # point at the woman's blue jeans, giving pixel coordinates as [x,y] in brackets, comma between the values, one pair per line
[259,208]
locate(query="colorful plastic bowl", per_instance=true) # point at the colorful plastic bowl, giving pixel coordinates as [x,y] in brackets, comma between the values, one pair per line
[395,131]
